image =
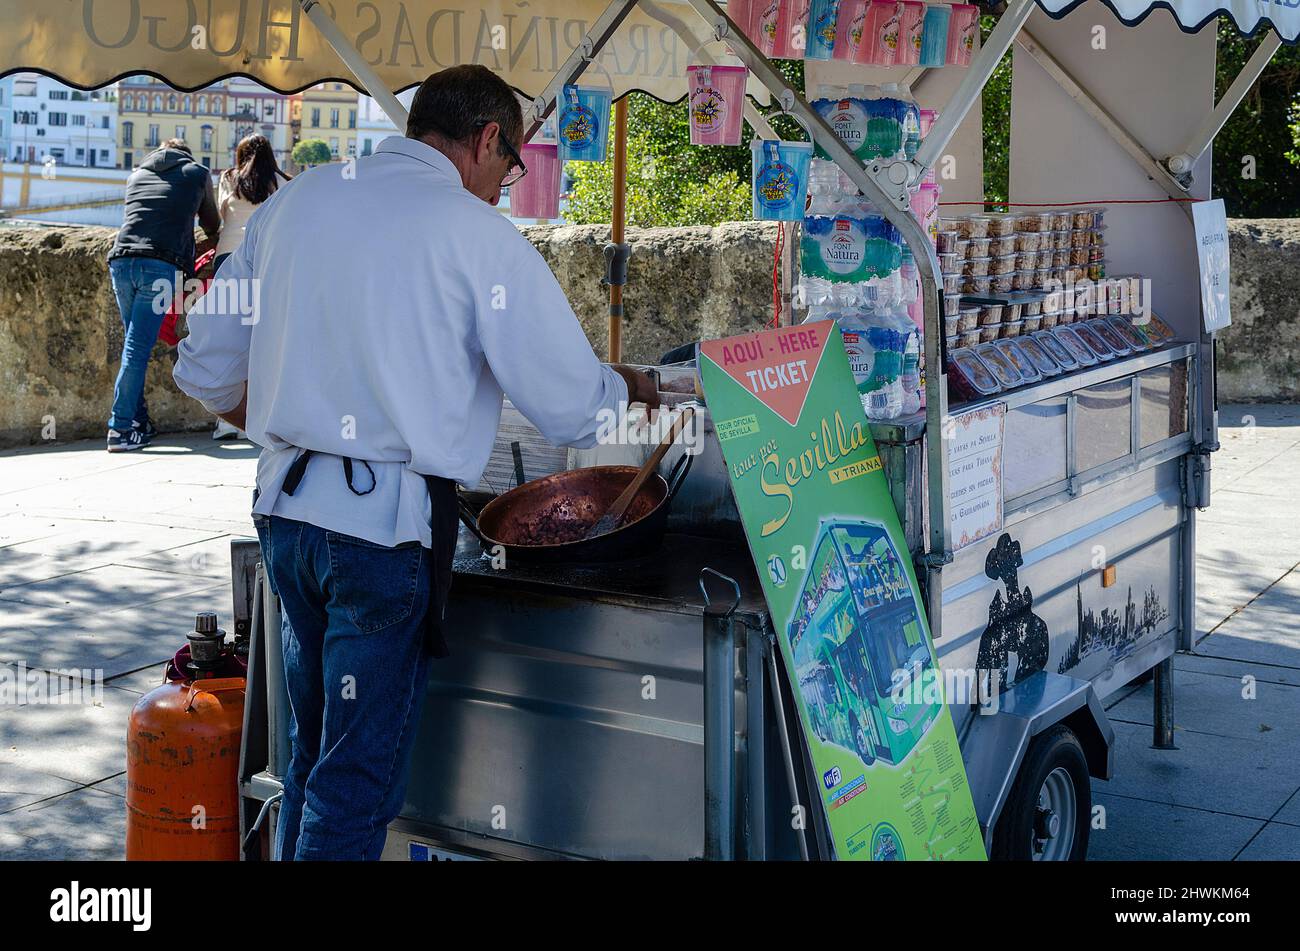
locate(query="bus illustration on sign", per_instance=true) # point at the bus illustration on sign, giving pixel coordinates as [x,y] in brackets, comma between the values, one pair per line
[865,668]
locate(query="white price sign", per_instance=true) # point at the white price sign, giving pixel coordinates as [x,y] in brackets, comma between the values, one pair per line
[1211,221]
[975,474]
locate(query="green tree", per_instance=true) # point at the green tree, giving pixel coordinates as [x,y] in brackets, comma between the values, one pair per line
[996,113]
[670,181]
[1262,138]
[311,152]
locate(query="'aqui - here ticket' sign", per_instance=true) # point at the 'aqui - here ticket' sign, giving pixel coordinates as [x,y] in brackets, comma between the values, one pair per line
[842,593]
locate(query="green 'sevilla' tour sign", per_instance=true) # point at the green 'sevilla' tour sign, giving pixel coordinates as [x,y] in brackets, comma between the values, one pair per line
[842,593]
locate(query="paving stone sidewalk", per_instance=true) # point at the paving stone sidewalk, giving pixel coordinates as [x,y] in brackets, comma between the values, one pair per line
[105,559]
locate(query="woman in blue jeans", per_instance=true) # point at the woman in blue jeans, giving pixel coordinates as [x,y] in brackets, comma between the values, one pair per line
[143,303]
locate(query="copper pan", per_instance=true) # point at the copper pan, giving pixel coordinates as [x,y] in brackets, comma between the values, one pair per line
[545,519]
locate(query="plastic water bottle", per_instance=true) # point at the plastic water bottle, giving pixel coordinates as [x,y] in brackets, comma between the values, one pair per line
[912,372]
[853,331]
[882,390]
[909,278]
[814,295]
[911,120]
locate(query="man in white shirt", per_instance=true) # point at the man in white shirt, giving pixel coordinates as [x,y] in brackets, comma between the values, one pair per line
[363,334]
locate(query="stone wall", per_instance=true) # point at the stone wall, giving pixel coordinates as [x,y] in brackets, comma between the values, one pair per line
[61,340]
[61,336]
[1259,355]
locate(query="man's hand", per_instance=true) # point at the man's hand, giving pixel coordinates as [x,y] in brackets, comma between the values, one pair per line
[640,386]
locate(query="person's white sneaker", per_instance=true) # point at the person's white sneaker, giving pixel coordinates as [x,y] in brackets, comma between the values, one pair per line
[128,441]
[225,430]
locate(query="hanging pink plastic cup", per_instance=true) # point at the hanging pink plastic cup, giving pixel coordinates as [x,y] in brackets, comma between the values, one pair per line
[925,209]
[849,24]
[537,194]
[911,26]
[716,104]
[792,29]
[880,34]
[759,20]
[744,13]
[962,30]
[927,120]
[740,12]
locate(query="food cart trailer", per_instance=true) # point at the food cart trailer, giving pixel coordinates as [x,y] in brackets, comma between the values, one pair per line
[639,709]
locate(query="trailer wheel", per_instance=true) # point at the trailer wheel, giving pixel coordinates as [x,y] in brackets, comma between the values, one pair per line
[1046,816]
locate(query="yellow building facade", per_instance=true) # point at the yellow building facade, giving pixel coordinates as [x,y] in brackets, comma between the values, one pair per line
[329,113]
[150,113]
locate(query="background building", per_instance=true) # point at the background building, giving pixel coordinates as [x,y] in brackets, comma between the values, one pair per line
[373,124]
[211,121]
[329,113]
[150,112]
[41,118]
[254,108]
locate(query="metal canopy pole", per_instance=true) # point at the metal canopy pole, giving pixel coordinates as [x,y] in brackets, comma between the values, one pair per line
[972,84]
[695,49]
[354,61]
[1182,161]
[1157,172]
[586,50]
[616,252]
[895,207]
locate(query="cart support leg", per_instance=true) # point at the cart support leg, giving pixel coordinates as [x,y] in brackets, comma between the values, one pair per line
[277,691]
[756,748]
[1163,714]
[719,734]
[787,750]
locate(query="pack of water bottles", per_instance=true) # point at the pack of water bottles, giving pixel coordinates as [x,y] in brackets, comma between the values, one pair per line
[856,270]
[855,267]
[877,123]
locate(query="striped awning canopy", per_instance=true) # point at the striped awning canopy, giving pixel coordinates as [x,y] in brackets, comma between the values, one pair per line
[1250,16]
[192,43]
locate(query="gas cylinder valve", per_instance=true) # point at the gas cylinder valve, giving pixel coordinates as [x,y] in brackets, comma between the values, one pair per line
[207,644]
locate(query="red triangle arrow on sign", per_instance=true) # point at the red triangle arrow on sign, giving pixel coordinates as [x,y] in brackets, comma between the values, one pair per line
[777,366]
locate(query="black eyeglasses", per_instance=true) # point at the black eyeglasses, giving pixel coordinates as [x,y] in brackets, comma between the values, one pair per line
[517,168]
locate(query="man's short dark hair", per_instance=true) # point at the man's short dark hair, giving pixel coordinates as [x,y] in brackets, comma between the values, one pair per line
[177,144]
[455,103]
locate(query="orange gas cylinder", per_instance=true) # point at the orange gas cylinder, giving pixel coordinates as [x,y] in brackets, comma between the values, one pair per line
[182,756]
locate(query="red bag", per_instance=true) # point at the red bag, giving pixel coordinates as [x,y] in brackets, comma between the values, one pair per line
[167,332]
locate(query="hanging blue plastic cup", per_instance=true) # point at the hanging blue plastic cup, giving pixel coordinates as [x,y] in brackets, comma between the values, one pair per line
[934,39]
[819,40]
[583,125]
[780,178]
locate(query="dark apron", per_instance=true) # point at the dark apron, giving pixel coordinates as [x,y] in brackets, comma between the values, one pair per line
[444,525]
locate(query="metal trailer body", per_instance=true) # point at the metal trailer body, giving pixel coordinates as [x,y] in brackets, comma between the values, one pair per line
[1105,469]
[569,721]
[1102,111]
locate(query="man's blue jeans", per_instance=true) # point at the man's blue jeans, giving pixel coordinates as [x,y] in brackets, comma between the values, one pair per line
[133,285]
[357,670]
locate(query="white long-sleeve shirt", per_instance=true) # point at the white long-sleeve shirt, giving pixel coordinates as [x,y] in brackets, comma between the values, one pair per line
[392,309]
[235,212]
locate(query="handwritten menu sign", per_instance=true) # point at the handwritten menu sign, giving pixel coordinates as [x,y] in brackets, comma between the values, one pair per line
[975,473]
[1211,221]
